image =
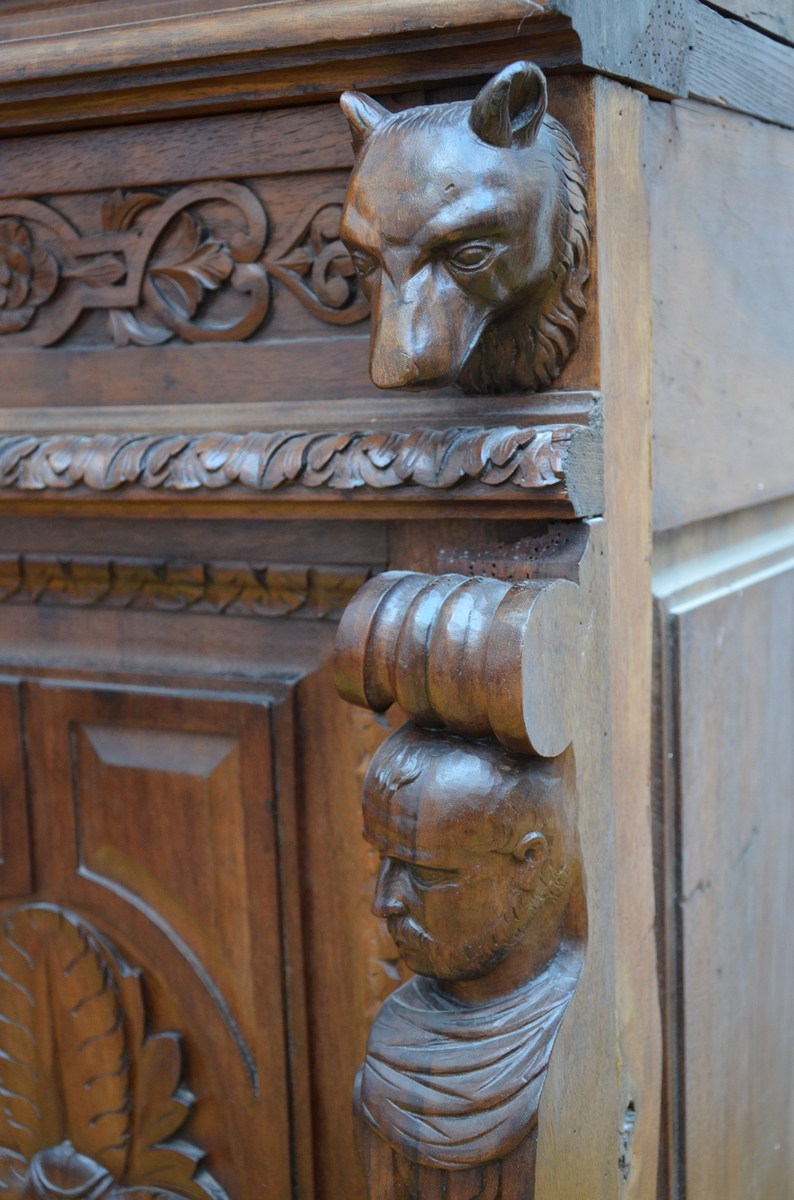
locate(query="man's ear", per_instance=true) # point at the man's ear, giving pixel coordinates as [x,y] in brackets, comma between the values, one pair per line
[510,108]
[363,116]
[532,853]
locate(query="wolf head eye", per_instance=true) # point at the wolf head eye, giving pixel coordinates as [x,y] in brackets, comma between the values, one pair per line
[364,263]
[471,257]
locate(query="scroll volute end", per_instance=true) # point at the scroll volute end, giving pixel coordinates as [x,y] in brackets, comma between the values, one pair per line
[534,667]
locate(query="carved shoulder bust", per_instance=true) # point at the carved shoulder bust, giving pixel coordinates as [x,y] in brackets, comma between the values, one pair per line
[479,883]
[467,223]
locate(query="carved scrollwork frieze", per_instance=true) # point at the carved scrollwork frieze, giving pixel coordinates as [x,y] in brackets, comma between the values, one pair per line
[247,589]
[160,264]
[527,459]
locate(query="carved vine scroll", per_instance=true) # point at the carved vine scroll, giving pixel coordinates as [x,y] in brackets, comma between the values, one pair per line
[161,263]
[91,1102]
[472,808]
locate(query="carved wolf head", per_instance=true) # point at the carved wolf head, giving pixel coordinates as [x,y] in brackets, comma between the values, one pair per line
[467,223]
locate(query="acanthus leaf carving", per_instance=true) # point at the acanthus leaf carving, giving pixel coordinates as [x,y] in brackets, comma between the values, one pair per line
[527,458]
[158,261]
[91,1102]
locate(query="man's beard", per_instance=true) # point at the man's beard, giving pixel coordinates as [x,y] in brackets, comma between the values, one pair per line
[427,956]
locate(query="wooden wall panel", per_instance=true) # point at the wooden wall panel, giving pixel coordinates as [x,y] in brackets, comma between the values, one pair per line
[722,225]
[727,754]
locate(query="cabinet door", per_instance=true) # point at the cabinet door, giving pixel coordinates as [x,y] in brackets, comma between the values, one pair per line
[154,826]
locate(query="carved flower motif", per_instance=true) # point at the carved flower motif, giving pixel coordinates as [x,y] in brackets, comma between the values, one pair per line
[28,275]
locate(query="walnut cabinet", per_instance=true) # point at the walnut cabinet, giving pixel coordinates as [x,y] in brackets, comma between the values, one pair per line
[197,476]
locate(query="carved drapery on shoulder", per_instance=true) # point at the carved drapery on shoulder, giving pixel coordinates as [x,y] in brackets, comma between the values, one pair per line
[91,1100]
[192,263]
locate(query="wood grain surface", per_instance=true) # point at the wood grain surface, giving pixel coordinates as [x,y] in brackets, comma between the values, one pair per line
[723,266]
[200,58]
[725,657]
[624,220]
[772,16]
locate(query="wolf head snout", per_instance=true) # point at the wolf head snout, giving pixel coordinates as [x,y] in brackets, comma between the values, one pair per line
[421,336]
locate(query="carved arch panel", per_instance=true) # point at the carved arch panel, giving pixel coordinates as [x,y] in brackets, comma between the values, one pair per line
[153,819]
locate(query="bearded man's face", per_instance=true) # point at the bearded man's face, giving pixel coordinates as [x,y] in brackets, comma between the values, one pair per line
[454,905]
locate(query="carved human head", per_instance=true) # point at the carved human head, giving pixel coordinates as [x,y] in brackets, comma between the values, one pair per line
[475,843]
[467,223]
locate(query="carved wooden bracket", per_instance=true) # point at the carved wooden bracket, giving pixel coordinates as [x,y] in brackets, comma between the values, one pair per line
[478,656]
[472,807]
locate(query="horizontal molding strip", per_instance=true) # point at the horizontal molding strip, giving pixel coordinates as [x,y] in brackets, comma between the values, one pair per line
[245,30]
[247,589]
[561,459]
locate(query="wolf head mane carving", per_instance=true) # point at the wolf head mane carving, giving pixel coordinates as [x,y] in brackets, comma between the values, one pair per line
[468,226]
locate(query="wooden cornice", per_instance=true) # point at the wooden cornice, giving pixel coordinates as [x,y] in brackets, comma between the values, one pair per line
[59,75]
[263,54]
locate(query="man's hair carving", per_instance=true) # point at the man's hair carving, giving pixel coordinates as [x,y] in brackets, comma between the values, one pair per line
[496,311]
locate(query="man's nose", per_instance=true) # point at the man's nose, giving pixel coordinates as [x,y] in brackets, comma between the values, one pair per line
[389,900]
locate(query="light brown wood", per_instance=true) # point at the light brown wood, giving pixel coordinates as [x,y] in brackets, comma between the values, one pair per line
[719,187]
[94,1096]
[392,641]
[203,57]
[16,874]
[127,827]
[625,356]
[725,648]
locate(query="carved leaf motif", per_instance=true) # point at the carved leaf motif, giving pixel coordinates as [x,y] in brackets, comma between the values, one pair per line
[88,1103]
[158,1163]
[119,212]
[430,458]
[28,275]
[125,327]
[98,272]
[188,266]
[63,1065]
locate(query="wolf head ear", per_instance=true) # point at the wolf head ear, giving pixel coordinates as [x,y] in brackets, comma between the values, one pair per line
[510,108]
[363,116]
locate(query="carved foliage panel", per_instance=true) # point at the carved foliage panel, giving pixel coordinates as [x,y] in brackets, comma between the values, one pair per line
[91,1099]
[152,816]
[195,263]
